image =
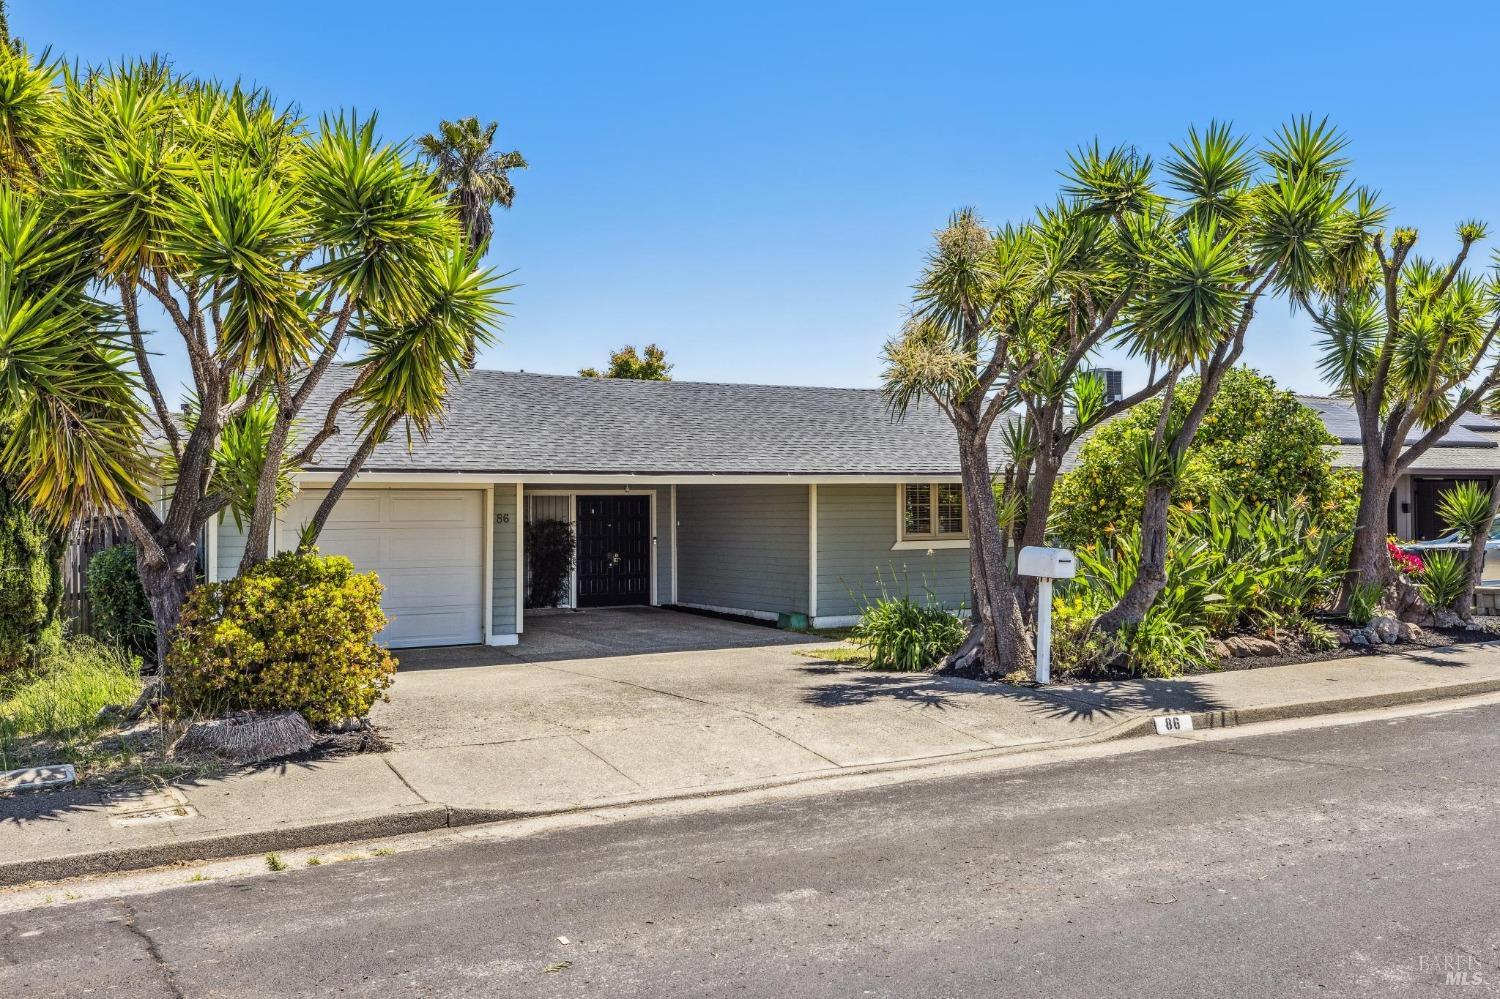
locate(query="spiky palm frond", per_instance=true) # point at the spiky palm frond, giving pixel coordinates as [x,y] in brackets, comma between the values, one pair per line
[382,224]
[1352,328]
[29,102]
[962,266]
[240,232]
[65,385]
[925,360]
[1192,296]
[1114,182]
[408,366]
[1213,171]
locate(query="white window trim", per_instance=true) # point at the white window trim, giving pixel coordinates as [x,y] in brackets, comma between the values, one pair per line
[905,544]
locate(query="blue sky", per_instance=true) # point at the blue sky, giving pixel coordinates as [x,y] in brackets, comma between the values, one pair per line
[754,186]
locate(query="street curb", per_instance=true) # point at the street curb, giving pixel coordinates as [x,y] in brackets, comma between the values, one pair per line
[422,818]
[1231,717]
[429,818]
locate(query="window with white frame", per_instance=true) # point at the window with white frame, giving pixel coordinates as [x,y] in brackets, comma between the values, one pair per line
[933,511]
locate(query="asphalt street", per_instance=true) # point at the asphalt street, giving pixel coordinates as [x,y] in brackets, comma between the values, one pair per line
[1357,860]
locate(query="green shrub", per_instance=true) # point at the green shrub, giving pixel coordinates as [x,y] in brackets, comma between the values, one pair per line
[1443,579]
[1364,601]
[58,700]
[549,557]
[117,603]
[30,585]
[897,633]
[296,632]
[1258,443]
[1230,565]
[1163,646]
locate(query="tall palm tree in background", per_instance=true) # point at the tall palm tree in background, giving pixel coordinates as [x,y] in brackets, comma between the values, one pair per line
[475,176]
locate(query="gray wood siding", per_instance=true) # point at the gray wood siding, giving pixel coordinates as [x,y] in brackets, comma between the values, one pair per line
[231,547]
[503,583]
[743,547]
[856,529]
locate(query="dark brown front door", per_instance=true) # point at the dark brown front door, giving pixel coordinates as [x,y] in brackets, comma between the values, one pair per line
[614,550]
[1425,493]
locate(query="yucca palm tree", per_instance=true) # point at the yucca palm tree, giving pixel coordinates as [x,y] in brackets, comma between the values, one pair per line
[990,322]
[1004,319]
[272,248]
[1236,227]
[1411,342]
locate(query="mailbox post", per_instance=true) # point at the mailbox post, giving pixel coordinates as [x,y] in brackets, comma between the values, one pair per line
[1046,564]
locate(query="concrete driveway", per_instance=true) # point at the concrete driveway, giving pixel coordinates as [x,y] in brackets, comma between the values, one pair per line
[612,704]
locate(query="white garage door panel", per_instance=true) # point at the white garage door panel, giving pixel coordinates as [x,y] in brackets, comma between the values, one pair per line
[426,545]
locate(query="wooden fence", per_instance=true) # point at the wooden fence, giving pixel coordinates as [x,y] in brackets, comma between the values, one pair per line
[85,540]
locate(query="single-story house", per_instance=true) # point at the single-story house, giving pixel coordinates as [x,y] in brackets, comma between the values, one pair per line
[1468,452]
[751,500]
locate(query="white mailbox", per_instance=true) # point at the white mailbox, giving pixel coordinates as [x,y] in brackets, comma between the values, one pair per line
[1048,563]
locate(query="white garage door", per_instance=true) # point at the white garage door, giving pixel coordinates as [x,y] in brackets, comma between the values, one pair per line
[426,544]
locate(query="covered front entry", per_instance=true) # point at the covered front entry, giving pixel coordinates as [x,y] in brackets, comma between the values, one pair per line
[614,550]
[1426,493]
[427,545]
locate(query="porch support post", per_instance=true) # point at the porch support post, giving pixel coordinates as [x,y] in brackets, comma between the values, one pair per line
[489,564]
[812,553]
[520,558]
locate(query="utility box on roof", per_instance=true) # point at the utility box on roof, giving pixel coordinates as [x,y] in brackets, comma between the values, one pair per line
[1048,563]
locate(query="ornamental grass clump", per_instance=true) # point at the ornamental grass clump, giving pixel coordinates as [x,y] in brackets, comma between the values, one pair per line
[899,634]
[295,633]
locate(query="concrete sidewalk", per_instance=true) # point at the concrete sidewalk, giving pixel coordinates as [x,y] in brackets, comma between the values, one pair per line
[478,736]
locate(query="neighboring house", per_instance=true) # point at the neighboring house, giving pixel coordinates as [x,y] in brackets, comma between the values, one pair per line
[1470,451]
[755,500]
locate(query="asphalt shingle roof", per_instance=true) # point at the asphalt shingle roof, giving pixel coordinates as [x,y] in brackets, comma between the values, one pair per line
[1338,416]
[503,422]
[518,423]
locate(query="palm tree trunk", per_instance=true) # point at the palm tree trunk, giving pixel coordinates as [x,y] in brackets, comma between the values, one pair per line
[998,640]
[314,527]
[1151,573]
[1369,562]
[1477,545]
[167,587]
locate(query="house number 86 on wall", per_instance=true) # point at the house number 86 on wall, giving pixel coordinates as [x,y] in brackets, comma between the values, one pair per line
[502,518]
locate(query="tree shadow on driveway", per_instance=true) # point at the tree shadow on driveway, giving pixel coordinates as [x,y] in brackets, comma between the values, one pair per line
[1081,703]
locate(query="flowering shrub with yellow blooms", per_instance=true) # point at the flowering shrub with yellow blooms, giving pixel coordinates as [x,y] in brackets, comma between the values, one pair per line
[1258,443]
[296,632]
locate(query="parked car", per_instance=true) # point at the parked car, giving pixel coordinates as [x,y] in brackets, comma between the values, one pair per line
[1452,542]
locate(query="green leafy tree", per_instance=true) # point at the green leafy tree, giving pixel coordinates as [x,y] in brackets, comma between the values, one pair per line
[650,365]
[272,248]
[1410,341]
[1258,443]
[30,582]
